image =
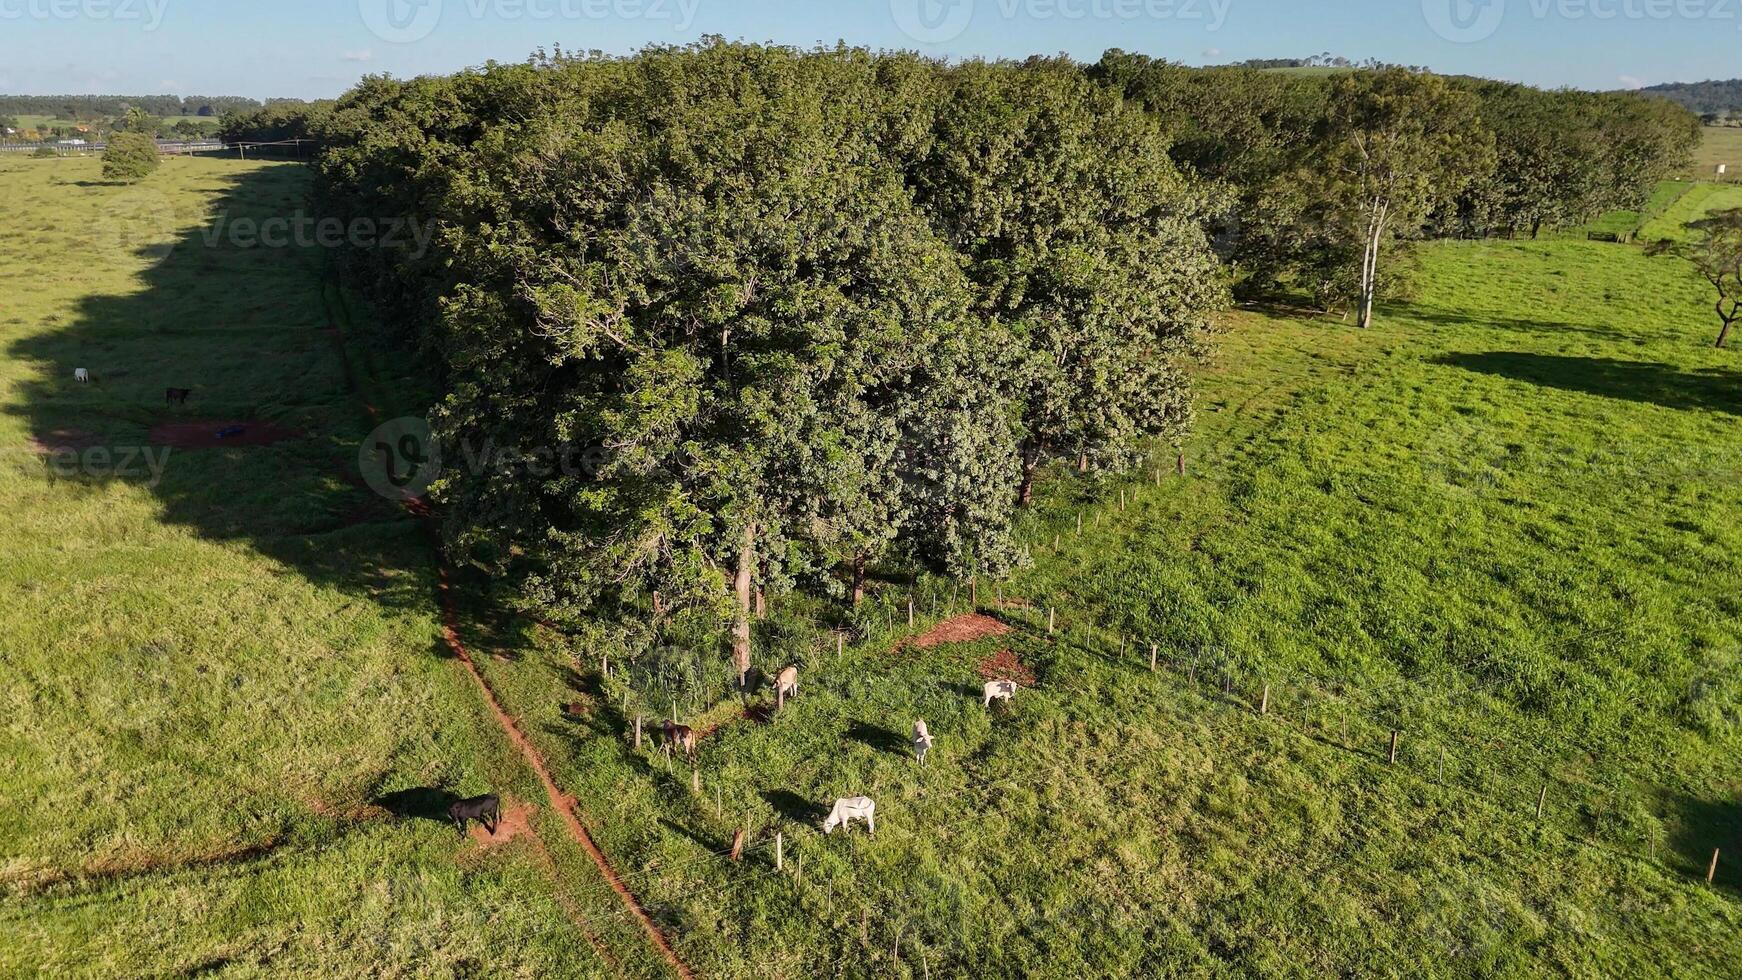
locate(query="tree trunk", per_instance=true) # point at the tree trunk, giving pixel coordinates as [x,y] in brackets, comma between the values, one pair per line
[1724,334]
[1030,465]
[741,623]
[858,580]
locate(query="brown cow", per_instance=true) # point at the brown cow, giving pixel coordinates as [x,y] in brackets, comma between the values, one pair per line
[681,736]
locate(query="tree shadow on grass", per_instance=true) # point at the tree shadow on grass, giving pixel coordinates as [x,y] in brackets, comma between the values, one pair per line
[251,331]
[1712,389]
[1704,825]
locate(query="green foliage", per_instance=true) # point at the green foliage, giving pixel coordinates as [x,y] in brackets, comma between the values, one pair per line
[44,152]
[130,157]
[773,291]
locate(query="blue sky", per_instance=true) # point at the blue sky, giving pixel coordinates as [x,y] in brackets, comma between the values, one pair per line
[317,48]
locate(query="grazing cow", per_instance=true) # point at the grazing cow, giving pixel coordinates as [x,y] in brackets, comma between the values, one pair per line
[999,691]
[484,809]
[682,736]
[176,396]
[81,375]
[786,685]
[846,811]
[921,740]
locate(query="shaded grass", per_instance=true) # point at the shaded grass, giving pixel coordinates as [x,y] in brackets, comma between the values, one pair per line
[212,677]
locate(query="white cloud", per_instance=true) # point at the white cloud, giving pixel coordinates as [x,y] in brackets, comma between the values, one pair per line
[1632,81]
[1212,52]
[363,55]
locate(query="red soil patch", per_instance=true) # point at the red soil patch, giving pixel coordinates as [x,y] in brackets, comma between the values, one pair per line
[59,440]
[1004,666]
[204,435]
[962,629]
[516,820]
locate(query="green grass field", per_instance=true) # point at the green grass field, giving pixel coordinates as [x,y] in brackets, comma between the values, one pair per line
[1502,523]
[1722,144]
[217,681]
[1701,199]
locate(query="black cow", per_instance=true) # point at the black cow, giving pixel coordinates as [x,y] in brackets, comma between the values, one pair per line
[484,809]
[176,396]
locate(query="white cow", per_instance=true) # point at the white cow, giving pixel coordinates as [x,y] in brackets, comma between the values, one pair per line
[81,375]
[921,740]
[786,684]
[999,691]
[856,808]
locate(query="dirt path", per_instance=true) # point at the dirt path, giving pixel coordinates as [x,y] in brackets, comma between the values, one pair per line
[563,803]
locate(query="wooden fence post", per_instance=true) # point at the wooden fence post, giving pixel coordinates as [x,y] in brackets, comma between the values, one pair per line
[1540,800]
[696,781]
[779,852]
[605,664]
[910,612]
[1442,774]
[1181,466]
[1712,869]
[1154,652]
[840,644]
[738,843]
[1392,760]
[974,591]
[1079,524]
[1264,701]
[638,733]
[1051,619]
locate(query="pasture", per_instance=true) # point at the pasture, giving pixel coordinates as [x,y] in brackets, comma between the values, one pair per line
[1722,144]
[1502,523]
[229,718]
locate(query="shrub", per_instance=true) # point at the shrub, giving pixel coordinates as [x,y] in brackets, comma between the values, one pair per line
[130,157]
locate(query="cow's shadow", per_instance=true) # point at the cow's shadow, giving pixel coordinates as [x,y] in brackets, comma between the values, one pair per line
[421,803]
[879,739]
[794,807]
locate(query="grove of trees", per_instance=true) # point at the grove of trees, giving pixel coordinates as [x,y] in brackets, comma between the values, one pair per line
[797,313]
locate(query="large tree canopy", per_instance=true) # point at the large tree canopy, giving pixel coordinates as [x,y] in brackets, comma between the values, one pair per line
[728,318]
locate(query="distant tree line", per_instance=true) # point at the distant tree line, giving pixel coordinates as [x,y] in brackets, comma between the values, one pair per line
[1321,173]
[83,108]
[799,313]
[276,121]
[1714,98]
